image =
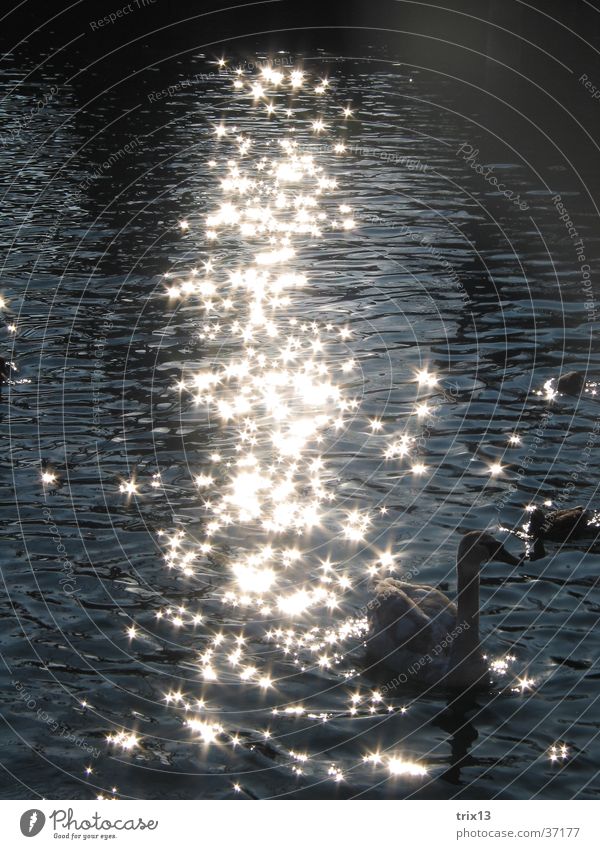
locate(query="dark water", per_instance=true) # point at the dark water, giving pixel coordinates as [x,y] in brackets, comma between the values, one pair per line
[440,272]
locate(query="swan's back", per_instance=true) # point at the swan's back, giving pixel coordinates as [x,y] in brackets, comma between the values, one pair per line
[408,630]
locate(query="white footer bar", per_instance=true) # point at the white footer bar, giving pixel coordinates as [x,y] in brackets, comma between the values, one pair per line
[298,824]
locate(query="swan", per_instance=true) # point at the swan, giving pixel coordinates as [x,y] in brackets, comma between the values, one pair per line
[418,632]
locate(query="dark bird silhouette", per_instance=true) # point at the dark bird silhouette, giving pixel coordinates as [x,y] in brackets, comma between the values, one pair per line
[571,383]
[560,525]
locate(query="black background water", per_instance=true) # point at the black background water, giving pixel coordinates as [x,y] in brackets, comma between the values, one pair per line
[83,248]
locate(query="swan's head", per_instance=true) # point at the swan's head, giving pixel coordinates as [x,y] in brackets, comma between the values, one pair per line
[478,547]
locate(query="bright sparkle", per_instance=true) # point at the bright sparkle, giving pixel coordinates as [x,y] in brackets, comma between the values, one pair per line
[128,487]
[397,766]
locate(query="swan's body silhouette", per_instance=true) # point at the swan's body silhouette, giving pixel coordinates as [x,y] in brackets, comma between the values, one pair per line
[420,633]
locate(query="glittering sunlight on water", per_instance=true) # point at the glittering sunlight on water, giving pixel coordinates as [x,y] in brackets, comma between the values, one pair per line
[281,389]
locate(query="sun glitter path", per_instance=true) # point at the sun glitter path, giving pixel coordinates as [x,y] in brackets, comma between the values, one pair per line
[275,390]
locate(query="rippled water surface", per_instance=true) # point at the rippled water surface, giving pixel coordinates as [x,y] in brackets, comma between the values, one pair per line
[224,675]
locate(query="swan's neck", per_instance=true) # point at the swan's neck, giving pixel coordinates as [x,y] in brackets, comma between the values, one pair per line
[466,663]
[468,607]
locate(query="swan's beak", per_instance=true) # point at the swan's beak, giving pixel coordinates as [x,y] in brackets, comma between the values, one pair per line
[505,556]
